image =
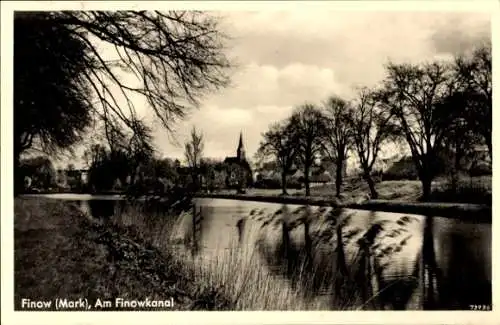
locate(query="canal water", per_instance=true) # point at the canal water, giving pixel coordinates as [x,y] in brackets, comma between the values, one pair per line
[454,256]
[448,260]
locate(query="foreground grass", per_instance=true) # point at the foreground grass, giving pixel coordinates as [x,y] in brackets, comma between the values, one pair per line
[236,271]
[60,253]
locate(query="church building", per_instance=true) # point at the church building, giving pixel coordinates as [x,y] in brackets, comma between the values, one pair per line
[239,172]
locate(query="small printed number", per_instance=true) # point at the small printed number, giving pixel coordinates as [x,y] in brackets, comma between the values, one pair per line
[480,307]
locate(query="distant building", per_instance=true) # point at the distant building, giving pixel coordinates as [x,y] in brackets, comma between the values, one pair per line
[68,179]
[238,170]
[320,176]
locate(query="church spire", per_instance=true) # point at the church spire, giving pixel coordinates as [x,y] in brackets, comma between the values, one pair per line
[241,150]
[240,145]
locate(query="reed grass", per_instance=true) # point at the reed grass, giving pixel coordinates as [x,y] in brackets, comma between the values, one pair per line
[61,252]
[238,272]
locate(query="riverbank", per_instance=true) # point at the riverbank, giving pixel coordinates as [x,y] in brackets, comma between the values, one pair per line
[475,190]
[61,253]
[469,190]
[463,211]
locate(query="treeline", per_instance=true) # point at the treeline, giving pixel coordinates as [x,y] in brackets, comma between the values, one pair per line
[129,166]
[143,172]
[437,109]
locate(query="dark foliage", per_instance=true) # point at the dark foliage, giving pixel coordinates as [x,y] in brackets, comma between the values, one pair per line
[52,105]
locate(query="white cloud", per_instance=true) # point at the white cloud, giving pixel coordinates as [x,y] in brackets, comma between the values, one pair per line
[260,85]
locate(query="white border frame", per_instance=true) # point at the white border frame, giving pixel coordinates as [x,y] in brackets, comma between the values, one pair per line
[342,317]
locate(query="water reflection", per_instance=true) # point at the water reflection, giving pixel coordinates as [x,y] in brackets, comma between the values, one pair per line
[393,261]
[382,260]
[101,209]
[465,264]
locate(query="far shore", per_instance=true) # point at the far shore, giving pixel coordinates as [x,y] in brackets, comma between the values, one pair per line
[463,211]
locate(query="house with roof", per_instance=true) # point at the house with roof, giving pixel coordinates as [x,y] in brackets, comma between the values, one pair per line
[71,178]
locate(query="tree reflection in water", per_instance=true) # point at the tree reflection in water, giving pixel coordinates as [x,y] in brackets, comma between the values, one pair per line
[465,286]
[102,209]
[432,276]
[377,277]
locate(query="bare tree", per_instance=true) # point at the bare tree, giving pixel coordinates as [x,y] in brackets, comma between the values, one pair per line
[308,123]
[94,154]
[371,128]
[93,65]
[469,108]
[338,135]
[52,110]
[176,57]
[413,94]
[474,75]
[280,143]
[193,152]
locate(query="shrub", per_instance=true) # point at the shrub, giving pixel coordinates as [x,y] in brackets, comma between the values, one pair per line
[404,169]
[481,169]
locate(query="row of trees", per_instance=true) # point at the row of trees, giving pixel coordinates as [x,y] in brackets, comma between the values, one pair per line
[114,164]
[437,108]
[137,167]
[131,165]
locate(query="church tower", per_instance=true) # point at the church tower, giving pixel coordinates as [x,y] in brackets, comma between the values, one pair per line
[240,153]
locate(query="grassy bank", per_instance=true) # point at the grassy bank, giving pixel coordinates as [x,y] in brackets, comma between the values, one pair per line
[59,252]
[474,190]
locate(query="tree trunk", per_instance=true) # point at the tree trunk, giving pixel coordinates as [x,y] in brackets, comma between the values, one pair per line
[426,187]
[371,185]
[194,177]
[338,175]
[283,183]
[306,180]
[455,170]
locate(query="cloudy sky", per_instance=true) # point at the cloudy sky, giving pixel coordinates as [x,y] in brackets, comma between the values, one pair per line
[287,58]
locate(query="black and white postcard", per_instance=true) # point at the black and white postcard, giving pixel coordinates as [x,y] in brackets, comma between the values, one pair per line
[332,158]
